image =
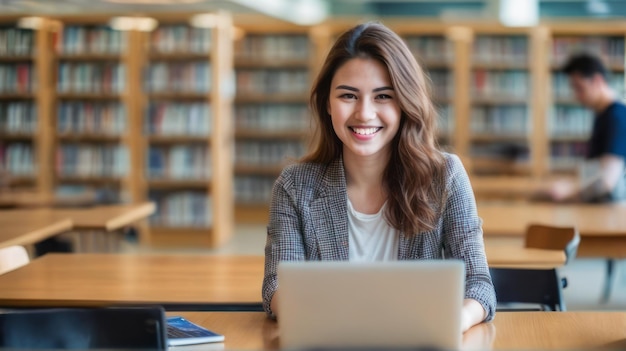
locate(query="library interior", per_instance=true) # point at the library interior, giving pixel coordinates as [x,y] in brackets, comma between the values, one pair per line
[140,141]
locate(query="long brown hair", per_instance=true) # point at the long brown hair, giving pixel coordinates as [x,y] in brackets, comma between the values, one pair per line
[414,175]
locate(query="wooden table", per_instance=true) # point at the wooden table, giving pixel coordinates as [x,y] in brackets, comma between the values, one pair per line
[509,330]
[190,281]
[106,217]
[100,227]
[21,198]
[96,224]
[26,227]
[518,257]
[602,227]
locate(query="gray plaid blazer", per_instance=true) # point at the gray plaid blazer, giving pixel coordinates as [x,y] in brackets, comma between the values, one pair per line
[308,221]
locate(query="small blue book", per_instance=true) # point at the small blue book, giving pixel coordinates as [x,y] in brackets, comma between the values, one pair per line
[183,332]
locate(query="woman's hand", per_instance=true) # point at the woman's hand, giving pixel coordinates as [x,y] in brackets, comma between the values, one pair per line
[471,314]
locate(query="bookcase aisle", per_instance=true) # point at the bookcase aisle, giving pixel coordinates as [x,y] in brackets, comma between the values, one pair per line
[196,119]
[177,125]
[91,112]
[131,115]
[569,123]
[18,105]
[500,94]
[273,77]
[188,131]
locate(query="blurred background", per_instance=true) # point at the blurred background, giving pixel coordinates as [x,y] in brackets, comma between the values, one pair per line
[196,105]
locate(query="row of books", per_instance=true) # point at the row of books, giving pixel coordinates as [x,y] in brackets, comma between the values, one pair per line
[518,151]
[499,84]
[17,78]
[107,118]
[181,209]
[189,77]
[430,48]
[91,77]
[561,87]
[500,49]
[87,160]
[272,82]
[18,117]
[442,83]
[273,47]
[253,189]
[570,121]
[512,120]
[445,119]
[179,38]
[16,42]
[173,118]
[98,39]
[267,153]
[188,162]
[609,48]
[272,117]
[568,150]
[17,159]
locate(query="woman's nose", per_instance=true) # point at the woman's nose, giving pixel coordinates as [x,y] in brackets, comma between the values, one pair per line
[366,110]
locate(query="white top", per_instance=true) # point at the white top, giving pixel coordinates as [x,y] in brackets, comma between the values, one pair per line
[371,238]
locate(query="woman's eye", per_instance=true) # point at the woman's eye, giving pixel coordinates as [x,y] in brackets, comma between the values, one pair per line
[348,96]
[384,97]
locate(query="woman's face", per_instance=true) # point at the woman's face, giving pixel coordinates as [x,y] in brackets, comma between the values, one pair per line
[364,108]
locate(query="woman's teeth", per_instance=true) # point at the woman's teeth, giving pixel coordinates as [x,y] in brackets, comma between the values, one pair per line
[365,131]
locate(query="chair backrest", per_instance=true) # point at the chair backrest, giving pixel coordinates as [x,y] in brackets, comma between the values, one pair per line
[553,238]
[13,257]
[528,286]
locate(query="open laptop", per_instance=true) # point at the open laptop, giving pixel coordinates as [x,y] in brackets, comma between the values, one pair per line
[340,304]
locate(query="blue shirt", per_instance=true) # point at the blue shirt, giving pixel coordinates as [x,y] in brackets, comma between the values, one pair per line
[609,132]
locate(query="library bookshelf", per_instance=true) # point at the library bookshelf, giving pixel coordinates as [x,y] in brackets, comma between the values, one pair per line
[569,125]
[25,106]
[136,116]
[504,108]
[274,62]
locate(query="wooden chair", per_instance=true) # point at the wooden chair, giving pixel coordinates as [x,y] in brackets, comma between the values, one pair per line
[13,257]
[541,236]
[538,289]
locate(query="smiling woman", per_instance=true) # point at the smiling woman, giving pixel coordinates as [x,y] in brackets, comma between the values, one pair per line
[376,187]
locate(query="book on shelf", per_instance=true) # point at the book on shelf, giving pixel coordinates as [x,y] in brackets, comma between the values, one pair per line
[609,48]
[18,117]
[96,39]
[182,208]
[181,38]
[18,78]
[273,47]
[16,42]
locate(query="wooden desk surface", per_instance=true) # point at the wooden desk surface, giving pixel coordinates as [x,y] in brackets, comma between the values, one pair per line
[602,227]
[13,198]
[25,227]
[99,279]
[509,330]
[518,257]
[106,217]
[29,198]
[591,219]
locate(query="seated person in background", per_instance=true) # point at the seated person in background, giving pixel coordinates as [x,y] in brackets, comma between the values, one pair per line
[376,188]
[602,173]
